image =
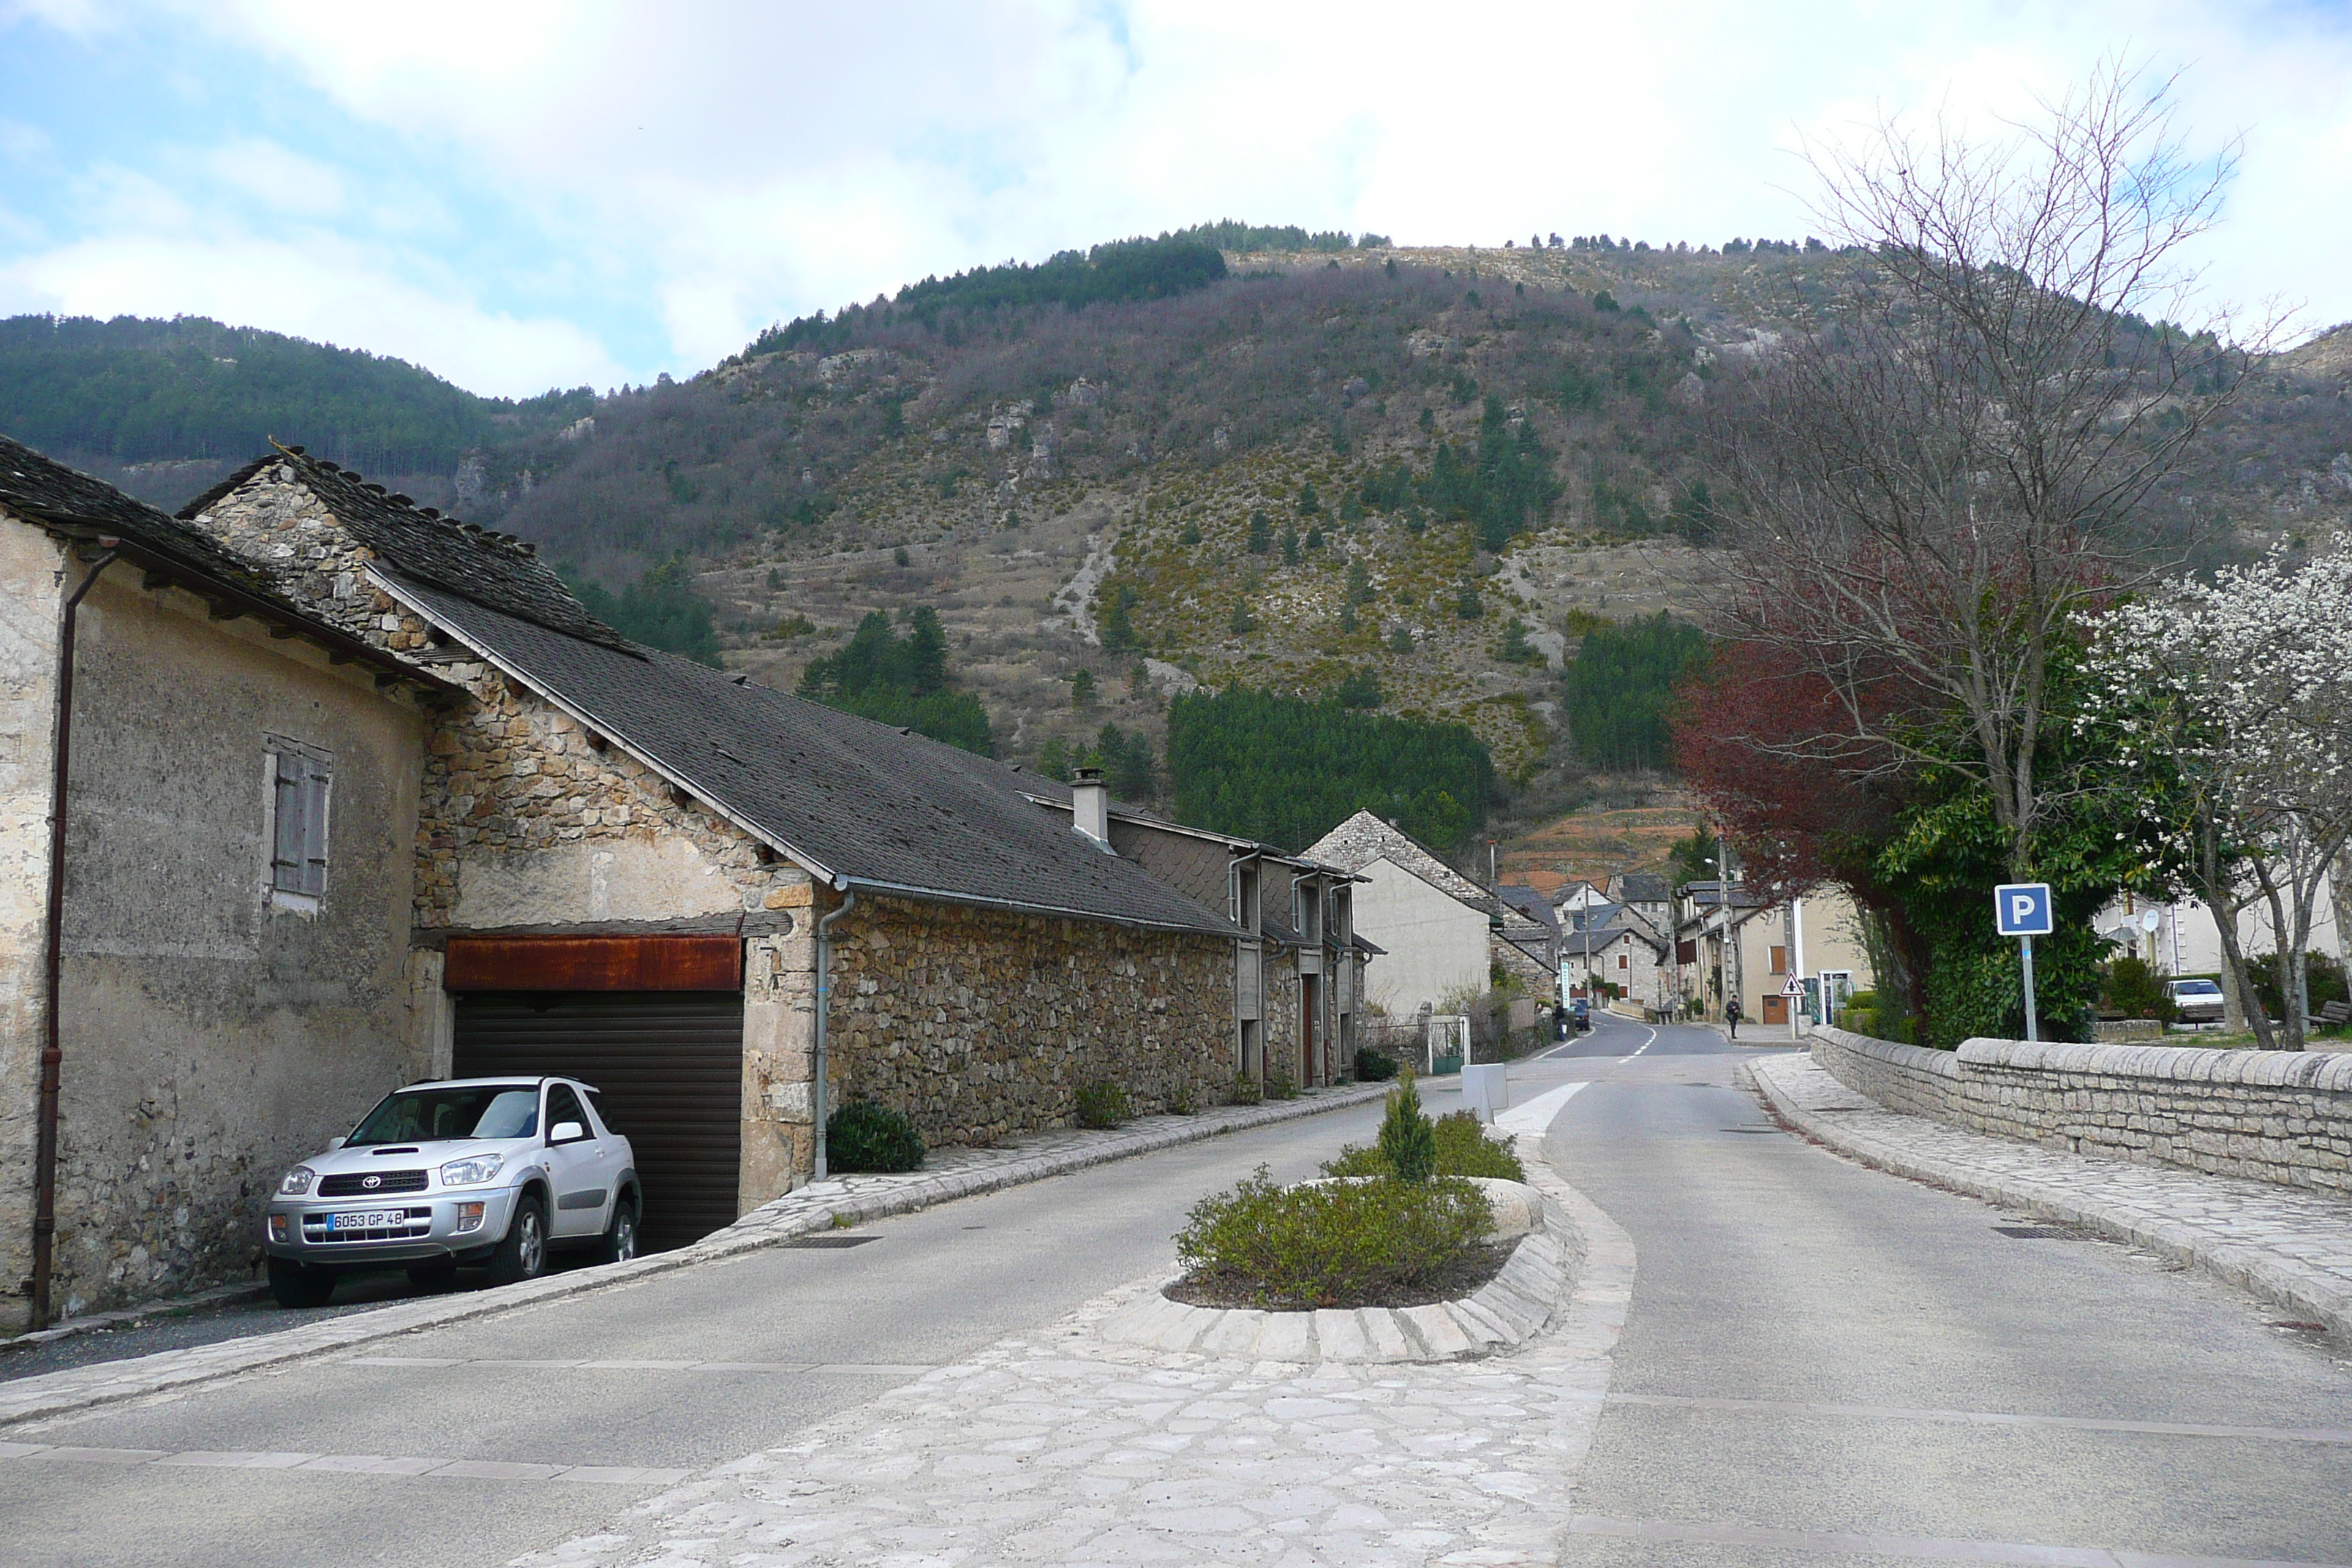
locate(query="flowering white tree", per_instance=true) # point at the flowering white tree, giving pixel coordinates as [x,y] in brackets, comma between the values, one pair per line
[2239,694]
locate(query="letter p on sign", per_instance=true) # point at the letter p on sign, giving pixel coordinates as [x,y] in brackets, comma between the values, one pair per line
[2022,908]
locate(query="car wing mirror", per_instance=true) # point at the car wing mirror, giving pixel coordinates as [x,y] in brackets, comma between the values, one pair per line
[335,1143]
[566,1132]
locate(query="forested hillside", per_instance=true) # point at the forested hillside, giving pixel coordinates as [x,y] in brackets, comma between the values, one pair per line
[1408,483]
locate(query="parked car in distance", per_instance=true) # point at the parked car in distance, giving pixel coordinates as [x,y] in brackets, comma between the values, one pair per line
[1579,1013]
[493,1172]
[2197,1001]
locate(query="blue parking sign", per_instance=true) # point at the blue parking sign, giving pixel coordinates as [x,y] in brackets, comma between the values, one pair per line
[2022,908]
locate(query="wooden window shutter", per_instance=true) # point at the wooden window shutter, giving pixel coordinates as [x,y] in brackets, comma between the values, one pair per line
[315,779]
[1780,960]
[286,849]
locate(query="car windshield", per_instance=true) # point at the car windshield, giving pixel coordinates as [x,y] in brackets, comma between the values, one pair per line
[473,1111]
[2195,988]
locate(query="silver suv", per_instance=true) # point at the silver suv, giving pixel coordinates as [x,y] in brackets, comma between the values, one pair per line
[444,1175]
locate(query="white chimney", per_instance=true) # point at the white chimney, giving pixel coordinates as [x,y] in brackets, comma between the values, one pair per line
[1090,806]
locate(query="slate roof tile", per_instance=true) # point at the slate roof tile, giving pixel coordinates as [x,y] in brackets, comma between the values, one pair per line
[861,801]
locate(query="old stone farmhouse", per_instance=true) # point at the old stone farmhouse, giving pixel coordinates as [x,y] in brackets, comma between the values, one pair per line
[360,794]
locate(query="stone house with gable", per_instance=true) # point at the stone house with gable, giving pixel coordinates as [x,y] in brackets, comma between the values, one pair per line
[209,970]
[1443,933]
[363,794]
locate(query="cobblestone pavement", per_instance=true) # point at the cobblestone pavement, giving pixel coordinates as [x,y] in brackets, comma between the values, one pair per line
[848,1200]
[1061,1446]
[2282,1246]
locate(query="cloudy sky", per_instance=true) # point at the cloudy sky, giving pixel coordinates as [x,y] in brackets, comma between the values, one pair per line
[523,195]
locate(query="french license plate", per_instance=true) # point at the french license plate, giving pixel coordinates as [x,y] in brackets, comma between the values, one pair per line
[370,1220]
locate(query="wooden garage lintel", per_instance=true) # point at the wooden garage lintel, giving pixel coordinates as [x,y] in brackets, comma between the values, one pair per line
[594,963]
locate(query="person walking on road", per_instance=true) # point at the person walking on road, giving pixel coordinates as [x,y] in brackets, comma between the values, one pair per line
[1731,1016]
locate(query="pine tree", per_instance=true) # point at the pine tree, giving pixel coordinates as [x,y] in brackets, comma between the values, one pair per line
[1407,1137]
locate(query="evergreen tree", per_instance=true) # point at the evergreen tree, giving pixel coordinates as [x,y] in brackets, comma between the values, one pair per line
[901,680]
[1261,533]
[660,609]
[1620,686]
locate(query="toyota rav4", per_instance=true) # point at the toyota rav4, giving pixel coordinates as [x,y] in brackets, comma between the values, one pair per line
[474,1171]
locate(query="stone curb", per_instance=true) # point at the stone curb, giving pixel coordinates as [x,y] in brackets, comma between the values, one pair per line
[1518,1303]
[2247,1265]
[843,1202]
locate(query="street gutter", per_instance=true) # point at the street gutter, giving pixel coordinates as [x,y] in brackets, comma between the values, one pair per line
[824,1205]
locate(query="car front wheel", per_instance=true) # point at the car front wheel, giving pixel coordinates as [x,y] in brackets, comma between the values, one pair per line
[522,1254]
[292,1285]
[621,1237]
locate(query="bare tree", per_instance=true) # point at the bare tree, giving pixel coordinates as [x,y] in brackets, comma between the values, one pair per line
[1956,457]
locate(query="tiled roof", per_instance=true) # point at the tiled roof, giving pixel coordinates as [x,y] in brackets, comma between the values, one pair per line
[1644,887]
[862,804]
[493,569]
[1530,903]
[46,491]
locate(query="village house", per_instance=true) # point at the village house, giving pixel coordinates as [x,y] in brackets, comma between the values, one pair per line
[361,795]
[1446,936]
[1745,946]
[1299,966]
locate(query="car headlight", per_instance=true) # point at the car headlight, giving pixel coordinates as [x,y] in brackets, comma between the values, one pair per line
[297,1181]
[471,1173]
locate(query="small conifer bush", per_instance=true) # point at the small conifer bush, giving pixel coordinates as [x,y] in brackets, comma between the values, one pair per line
[1407,1142]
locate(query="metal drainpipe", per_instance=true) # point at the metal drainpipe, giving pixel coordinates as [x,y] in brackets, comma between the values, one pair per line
[824,977]
[45,1143]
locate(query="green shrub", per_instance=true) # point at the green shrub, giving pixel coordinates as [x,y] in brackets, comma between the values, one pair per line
[1104,1105]
[1335,1245]
[1279,1085]
[1180,1102]
[1462,1150]
[1246,1089]
[1374,1066]
[863,1136]
[1407,1142]
[2133,991]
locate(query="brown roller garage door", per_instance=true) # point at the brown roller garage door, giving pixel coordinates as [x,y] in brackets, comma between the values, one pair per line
[670,1066]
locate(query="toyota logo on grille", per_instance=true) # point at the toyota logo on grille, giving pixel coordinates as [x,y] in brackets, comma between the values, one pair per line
[370,1183]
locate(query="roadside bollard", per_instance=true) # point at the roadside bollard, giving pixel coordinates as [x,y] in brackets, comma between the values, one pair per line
[1485,1091]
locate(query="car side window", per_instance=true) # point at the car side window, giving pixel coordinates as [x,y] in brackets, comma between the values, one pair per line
[563,1106]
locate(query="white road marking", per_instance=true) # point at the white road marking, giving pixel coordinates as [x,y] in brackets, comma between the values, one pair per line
[354,1464]
[870,1369]
[1537,1114]
[1939,1548]
[2329,1435]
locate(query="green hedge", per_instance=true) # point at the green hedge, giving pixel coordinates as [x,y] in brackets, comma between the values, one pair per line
[1296,1247]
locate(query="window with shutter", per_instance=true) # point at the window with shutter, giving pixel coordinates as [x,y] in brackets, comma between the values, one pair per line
[302,782]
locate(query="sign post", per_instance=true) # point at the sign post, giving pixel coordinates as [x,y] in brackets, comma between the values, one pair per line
[1793,989]
[2023,910]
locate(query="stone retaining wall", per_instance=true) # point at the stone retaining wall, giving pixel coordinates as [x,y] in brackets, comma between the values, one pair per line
[2273,1116]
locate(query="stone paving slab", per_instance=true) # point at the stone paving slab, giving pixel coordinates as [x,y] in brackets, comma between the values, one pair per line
[1061,1446]
[946,1174]
[2286,1246]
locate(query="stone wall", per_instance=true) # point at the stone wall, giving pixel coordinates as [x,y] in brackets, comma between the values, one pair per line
[213,1033]
[528,820]
[2273,1116]
[275,520]
[981,1025]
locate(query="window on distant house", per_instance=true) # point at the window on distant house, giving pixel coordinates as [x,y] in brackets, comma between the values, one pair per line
[301,778]
[1621,960]
[1780,960]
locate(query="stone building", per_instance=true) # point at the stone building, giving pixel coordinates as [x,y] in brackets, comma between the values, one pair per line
[1445,935]
[234,980]
[362,794]
[1299,967]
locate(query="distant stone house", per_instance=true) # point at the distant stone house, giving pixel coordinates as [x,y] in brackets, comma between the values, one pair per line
[1299,967]
[1442,935]
[362,794]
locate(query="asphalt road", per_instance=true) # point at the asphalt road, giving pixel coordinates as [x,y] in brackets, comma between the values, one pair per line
[809,1331]
[1776,1282]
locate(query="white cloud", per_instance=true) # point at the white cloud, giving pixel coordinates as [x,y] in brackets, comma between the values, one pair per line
[704,168]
